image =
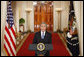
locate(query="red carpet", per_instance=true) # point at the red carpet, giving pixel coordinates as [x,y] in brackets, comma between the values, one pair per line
[58,47]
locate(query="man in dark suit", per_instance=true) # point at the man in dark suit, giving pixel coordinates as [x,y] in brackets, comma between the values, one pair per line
[42,37]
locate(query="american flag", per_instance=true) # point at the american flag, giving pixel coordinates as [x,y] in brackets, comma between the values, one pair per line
[9,35]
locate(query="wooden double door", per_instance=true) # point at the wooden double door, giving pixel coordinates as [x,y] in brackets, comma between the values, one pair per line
[43,13]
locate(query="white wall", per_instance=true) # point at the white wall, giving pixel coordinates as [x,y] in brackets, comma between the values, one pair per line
[31,15]
[64,14]
[82,28]
[56,4]
[20,12]
[3,21]
[78,6]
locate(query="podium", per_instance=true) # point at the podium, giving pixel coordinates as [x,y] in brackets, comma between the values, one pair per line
[40,49]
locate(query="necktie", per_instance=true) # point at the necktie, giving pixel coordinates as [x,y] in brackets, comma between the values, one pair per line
[42,35]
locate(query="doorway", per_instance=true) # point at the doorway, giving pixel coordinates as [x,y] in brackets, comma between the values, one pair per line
[43,12]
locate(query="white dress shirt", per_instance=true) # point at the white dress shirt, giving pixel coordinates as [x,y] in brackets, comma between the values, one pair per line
[42,33]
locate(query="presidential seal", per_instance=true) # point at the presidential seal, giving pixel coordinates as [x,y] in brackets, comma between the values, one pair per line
[40,46]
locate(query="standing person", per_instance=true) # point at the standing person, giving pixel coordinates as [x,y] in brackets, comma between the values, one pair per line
[42,37]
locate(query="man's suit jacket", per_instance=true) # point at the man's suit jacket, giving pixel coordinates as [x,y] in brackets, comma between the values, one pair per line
[47,39]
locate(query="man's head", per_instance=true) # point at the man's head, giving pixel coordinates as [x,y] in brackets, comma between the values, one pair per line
[43,26]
